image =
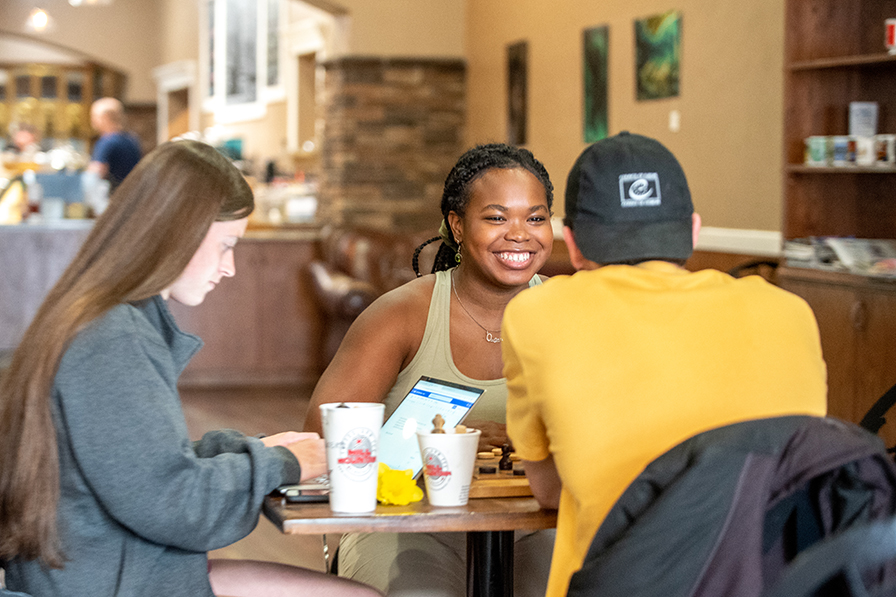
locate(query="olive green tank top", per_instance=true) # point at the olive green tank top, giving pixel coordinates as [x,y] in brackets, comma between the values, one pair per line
[434,359]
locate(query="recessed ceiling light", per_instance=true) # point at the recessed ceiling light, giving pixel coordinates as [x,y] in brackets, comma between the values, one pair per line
[38,20]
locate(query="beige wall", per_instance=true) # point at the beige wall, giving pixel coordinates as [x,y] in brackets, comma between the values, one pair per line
[730,99]
[124,35]
[432,28]
[179,30]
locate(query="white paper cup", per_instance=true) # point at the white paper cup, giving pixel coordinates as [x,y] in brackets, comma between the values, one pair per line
[352,434]
[448,460]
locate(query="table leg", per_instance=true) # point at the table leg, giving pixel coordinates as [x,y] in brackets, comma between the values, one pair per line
[490,564]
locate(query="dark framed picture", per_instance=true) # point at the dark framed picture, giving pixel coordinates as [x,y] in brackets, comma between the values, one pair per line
[595,51]
[517,90]
[658,55]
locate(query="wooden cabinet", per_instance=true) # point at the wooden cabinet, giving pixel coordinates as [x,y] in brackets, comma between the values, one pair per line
[55,98]
[261,327]
[857,321]
[835,54]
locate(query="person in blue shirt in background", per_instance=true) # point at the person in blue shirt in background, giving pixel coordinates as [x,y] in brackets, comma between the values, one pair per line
[116,152]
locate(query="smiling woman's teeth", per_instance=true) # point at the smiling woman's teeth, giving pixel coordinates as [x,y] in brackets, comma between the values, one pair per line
[515,257]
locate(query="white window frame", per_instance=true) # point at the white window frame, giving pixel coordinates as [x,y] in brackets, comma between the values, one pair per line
[217,103]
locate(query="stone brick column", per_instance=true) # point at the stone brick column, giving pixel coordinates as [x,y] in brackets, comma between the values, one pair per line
[392,130]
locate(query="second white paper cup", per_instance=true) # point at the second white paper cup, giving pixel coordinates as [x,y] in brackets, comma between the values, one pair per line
[352,433]
[448,460]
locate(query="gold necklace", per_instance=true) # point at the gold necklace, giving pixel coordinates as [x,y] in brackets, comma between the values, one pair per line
[493,337]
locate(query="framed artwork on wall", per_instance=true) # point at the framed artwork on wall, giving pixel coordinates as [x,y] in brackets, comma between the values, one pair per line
[517,91]
[658,55]
[595,50]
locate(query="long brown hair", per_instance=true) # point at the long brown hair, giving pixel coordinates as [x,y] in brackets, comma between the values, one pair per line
[154,224]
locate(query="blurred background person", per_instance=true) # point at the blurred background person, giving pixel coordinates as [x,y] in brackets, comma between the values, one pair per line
[24,139]
[116,152]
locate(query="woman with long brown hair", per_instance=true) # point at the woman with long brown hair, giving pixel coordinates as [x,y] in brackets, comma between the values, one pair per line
[101,490]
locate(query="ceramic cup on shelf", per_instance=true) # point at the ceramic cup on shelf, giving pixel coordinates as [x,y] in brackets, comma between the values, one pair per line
[352,433]
[890,35]
[865,151]
[840,150]
[448,461]
[817,151]
[885,150]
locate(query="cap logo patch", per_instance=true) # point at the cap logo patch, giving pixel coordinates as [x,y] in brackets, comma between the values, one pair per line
[639,189]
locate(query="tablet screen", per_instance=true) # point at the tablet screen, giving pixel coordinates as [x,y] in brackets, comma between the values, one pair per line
[429,397]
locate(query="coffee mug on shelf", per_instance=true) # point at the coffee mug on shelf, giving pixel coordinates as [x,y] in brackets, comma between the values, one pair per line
[866,154]
[890,35]
[817,151]
[840,150]
[885,150]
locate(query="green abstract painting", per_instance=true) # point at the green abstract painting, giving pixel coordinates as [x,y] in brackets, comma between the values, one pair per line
[658,55]
[517,92]
[596,45]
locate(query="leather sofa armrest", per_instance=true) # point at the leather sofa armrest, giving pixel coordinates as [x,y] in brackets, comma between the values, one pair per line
[340,295]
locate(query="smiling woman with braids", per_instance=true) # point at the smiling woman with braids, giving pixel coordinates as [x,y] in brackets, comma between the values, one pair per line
[496,235]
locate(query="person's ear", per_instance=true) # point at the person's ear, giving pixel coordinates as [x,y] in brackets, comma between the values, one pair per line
[696,223]
[457,226]
[576,258]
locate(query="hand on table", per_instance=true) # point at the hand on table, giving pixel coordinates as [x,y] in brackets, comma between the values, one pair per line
[308,448]
[286,438]
[494,435]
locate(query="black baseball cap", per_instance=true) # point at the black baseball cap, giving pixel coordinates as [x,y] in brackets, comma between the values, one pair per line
[627,199]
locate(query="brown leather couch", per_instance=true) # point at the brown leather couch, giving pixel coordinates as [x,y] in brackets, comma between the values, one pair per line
[357,265]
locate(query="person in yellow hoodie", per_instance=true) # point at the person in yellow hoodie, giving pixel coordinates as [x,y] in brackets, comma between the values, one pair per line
[609,368]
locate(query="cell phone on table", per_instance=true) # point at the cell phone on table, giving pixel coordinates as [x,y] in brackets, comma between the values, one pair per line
[305,493]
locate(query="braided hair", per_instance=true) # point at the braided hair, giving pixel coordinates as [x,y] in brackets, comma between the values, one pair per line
[456,195]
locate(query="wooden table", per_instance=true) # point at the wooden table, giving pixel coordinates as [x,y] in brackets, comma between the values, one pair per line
[489,524]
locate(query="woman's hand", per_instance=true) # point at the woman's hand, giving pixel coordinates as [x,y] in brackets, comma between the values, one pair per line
[311,452]
[287,437]
[494,435]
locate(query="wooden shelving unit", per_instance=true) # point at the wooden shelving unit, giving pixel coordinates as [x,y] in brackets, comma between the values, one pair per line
[834,55]
[55,98]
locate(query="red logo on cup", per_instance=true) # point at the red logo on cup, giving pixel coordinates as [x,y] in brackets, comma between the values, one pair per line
[359,455]
[435,465]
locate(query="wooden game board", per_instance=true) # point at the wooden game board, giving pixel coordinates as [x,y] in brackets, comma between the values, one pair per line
[498,484]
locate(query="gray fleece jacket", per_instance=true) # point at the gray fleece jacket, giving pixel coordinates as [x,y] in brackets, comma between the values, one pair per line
[140,503]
